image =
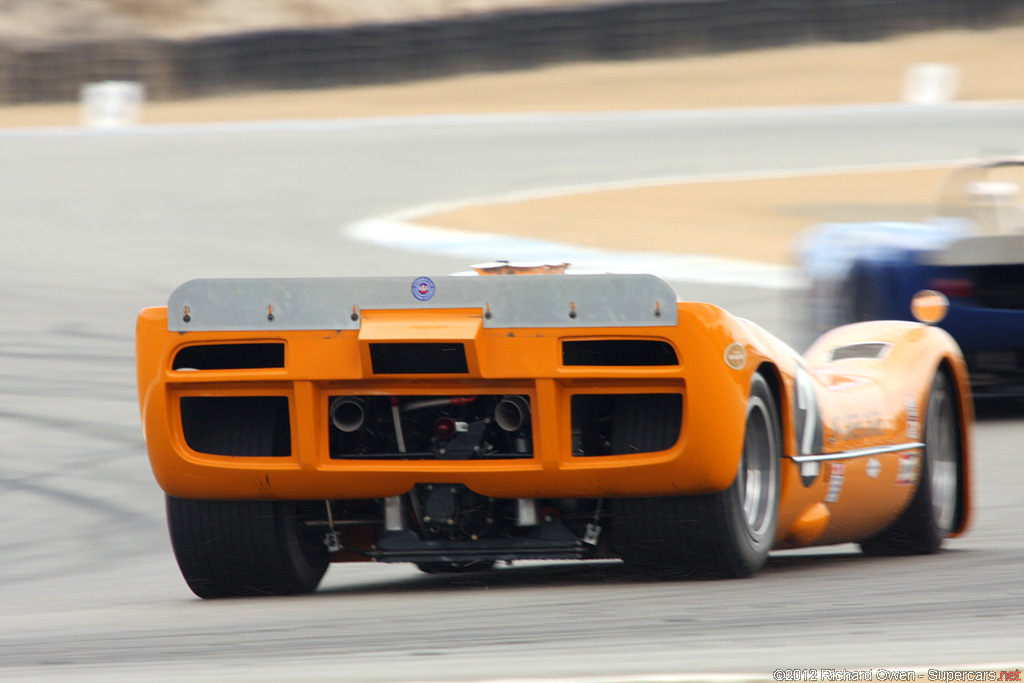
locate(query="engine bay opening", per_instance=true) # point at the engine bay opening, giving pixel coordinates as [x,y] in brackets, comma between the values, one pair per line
[430,427]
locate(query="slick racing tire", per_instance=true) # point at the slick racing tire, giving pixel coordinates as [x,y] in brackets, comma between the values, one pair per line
[727,534]
[228,548]
[932,512]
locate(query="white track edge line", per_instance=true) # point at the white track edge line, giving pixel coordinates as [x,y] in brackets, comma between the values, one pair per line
[359,122]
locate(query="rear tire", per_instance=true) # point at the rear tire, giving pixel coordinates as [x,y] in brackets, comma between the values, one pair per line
[932,512]
[228,548]
[723,534]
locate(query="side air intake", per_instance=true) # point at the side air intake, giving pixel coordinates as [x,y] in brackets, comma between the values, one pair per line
[866,350]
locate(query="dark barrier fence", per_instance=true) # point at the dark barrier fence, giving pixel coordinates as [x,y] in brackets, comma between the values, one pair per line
[386,53]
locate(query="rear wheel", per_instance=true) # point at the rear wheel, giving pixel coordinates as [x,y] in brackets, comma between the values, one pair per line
[932,512]
[228,548]
[725,534]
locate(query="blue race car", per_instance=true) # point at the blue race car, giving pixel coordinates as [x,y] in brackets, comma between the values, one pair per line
[972,253]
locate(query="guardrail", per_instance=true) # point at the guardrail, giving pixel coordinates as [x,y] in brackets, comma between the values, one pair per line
[382,53]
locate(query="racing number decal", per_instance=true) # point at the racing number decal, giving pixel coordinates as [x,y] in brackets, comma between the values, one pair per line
[807,422]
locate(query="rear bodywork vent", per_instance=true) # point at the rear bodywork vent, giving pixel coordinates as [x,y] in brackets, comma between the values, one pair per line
[432,358]
[617,352]
[866,350]
[252,426]
[230,357]
[621,424]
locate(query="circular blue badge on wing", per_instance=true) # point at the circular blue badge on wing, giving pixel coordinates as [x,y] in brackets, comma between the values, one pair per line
[423,288]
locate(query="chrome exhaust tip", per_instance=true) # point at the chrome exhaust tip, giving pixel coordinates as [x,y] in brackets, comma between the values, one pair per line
[511,413]
[347,414]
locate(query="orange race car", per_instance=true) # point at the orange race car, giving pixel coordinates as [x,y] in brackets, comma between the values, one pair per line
[453,422]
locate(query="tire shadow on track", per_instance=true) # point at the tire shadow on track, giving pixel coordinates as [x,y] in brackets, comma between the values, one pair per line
[582,574]
[555,574]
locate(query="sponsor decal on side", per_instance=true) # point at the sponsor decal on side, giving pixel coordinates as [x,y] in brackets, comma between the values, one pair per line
[873,467]
[837,474]
[913,419]
[909,469]
[423,288]
[861,426]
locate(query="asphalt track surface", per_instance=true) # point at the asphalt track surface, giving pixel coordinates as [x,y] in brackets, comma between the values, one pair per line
[95,226]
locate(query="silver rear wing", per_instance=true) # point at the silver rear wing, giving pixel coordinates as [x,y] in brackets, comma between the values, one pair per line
[504,301]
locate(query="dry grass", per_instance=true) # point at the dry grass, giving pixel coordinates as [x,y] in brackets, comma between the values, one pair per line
[754,220]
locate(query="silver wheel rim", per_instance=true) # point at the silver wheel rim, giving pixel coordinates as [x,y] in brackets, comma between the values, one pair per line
[759,469]
[941,451]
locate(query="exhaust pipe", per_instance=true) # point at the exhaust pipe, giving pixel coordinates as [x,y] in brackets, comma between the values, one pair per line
[511,413]
[347,414]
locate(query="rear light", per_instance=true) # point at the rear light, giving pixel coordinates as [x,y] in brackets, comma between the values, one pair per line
[957,288]
[444,428]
